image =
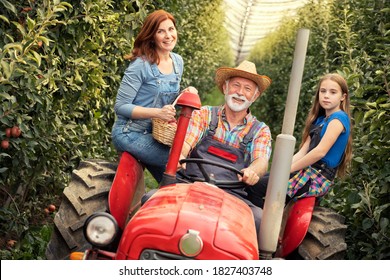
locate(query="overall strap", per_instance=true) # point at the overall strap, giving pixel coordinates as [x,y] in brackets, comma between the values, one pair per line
[250,135]
[155,70]
[214,120]
[315,138]
[175,63]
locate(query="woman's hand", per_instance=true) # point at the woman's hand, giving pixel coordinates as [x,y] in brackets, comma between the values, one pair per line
[167,113]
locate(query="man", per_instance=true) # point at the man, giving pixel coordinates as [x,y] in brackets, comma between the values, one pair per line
[230,134]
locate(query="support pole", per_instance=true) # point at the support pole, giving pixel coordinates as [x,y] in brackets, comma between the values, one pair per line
[282,157]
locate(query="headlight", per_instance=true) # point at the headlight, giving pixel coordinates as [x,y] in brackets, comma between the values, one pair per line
[100,229]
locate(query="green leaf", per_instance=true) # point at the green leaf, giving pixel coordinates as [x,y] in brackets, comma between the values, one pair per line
[6,69]
[8,97]
[385,106]
[367,223]
[32,143]
[44,40]
[30,23]
[384,223]
[37,57]
[20,28]
[4,18]
[9,6]
[66,4]
[369,114]
[17,46]
[358,159]
[3,169]
[371,104]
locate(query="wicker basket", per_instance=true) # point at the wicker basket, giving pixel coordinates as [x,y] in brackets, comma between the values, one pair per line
[163,131]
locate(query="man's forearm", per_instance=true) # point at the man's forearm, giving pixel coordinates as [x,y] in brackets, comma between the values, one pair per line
[185,150]
[260,166]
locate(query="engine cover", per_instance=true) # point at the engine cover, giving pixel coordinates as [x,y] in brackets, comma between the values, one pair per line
[225,224]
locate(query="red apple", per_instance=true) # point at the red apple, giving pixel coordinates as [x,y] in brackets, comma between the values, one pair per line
[15,131]
[5,144]
[8,132]
[52,208]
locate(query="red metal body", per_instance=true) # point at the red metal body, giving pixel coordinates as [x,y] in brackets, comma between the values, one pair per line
[225,223]
[297,223]
[127,181]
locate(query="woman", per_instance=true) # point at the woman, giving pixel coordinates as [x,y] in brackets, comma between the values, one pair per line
[326,148]
[149,86]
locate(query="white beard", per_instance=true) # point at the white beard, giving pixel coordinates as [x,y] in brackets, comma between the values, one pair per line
[234,106]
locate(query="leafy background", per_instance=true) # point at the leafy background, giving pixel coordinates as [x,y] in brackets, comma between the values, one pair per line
[61,64]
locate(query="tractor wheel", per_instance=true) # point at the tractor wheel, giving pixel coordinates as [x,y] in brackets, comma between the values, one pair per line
[325,239]
[86,193]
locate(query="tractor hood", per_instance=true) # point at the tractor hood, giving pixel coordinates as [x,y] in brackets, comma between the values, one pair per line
[224,224]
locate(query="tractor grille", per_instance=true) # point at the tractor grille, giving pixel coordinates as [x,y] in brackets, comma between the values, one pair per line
[149,254]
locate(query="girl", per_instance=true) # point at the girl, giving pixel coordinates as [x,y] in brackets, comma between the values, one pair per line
[326,147]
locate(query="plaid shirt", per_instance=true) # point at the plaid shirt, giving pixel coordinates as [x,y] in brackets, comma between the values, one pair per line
[260,147]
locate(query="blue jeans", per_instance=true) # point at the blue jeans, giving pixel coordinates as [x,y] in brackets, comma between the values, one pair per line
[142,146]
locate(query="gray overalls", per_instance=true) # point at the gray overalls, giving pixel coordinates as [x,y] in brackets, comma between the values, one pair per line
[320,166]
[212,149]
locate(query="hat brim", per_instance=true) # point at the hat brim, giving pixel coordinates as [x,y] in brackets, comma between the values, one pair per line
[224,73]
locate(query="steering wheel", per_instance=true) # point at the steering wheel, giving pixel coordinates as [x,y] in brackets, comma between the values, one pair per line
[209,178]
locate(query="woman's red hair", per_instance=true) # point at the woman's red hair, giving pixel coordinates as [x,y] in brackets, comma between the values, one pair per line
[144,43]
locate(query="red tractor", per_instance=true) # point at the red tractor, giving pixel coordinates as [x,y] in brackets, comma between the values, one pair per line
[101,216]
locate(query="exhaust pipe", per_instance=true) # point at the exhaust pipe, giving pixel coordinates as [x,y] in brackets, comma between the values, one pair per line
[282,157]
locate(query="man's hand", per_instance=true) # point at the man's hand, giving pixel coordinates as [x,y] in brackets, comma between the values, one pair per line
[250,177]
[185,150]
[181,166]
[191,89]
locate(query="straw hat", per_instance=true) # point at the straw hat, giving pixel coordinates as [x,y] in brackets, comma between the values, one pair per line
[247,70]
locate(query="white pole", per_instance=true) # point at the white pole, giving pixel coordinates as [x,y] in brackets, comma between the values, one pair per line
[282,157]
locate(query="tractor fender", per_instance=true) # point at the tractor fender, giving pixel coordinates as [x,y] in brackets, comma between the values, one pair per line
[127,189]
[297,219]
